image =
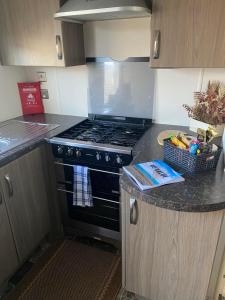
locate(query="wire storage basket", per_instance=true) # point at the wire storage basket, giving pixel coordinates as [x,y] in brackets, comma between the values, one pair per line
[189,162]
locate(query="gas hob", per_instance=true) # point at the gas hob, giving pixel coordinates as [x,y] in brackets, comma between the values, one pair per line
[101,137]
[101,134]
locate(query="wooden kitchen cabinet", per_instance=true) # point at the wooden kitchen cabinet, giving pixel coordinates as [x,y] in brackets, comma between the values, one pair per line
[191,34]
[8,256]
[24,187]
[29,35]
[168,254]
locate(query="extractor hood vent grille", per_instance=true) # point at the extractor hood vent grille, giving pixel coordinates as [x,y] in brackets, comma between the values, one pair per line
[98,10]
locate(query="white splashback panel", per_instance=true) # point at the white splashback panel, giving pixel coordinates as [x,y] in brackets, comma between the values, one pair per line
[121,88]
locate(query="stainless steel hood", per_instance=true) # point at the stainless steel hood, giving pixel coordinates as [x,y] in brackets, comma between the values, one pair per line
[96,10]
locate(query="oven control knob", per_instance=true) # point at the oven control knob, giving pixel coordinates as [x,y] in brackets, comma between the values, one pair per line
[60,149]
[118,160]
[78,153]
[98,156]
[70,152]
[107,158]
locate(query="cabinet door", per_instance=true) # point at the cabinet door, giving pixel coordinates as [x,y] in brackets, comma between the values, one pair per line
[191,33]
[169,255]
[28,32]
[29,35]
[26,201]
[8,256]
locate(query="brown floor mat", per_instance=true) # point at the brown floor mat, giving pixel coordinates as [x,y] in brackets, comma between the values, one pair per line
[72,271]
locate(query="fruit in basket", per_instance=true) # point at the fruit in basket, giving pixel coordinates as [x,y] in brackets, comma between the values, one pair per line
[175,141]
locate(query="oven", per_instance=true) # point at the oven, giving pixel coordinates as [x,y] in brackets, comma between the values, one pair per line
[105,212]
[106,197]
[104,144]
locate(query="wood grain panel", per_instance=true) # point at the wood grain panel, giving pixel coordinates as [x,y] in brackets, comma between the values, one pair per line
[8,255]
[192,33]
[56,230]
[169,255]
[28,32]
[28,206]
[220,283]
[28,35]
[217,282]
[73,43]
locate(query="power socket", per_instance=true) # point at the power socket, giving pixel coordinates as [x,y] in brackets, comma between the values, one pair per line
[44,94]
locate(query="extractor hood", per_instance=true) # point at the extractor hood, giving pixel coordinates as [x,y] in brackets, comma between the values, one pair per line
[96,10]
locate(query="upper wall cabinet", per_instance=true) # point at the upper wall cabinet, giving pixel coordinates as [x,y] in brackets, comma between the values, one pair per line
[29,35]
[188,33]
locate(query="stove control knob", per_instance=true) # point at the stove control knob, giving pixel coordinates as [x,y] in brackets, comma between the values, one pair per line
[98,156]
[70,152]
[78,153]
[60,149]
[118,160]
[107,158]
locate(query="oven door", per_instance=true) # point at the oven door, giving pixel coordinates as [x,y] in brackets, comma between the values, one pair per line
[106,198]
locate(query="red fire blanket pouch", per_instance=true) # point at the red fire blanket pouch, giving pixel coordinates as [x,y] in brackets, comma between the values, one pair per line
[30,95]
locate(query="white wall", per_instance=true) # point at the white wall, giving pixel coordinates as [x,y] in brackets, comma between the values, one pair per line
[67,89]
[10,106]
[175,87]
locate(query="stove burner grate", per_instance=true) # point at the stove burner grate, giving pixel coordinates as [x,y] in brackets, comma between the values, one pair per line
[105,132]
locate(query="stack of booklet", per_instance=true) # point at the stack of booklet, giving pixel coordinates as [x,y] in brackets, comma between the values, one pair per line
[152,174]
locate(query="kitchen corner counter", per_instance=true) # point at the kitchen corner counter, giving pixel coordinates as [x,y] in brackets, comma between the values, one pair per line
[201,193]
[63,122]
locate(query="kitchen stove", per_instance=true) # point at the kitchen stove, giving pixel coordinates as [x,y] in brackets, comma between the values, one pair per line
[104,145]
[115,134]
[104,132]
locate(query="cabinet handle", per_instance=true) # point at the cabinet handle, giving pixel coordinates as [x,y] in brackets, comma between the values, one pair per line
[156,46]
[59,47]
[10,186]
[1,200]
[133,211]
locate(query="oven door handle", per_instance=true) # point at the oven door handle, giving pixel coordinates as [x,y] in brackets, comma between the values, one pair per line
[98,198]
[64,183]
[91,169]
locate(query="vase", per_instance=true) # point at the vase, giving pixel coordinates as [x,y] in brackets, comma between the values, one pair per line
[194,125]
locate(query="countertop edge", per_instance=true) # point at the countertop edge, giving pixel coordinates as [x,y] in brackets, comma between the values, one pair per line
[134,191]
[65,122]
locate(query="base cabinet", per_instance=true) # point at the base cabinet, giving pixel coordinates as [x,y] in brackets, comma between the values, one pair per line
[24,187]
[8,256]
[168,255]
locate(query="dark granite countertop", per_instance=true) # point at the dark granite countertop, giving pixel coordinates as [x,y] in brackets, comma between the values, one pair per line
[31,142]
[201,193]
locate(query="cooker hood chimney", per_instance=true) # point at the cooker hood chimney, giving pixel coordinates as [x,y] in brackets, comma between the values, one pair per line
[96,10]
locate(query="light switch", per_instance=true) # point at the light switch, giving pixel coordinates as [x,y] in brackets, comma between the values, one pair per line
[42,77]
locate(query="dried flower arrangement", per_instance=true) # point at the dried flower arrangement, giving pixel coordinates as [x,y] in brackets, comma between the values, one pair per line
[209,106]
